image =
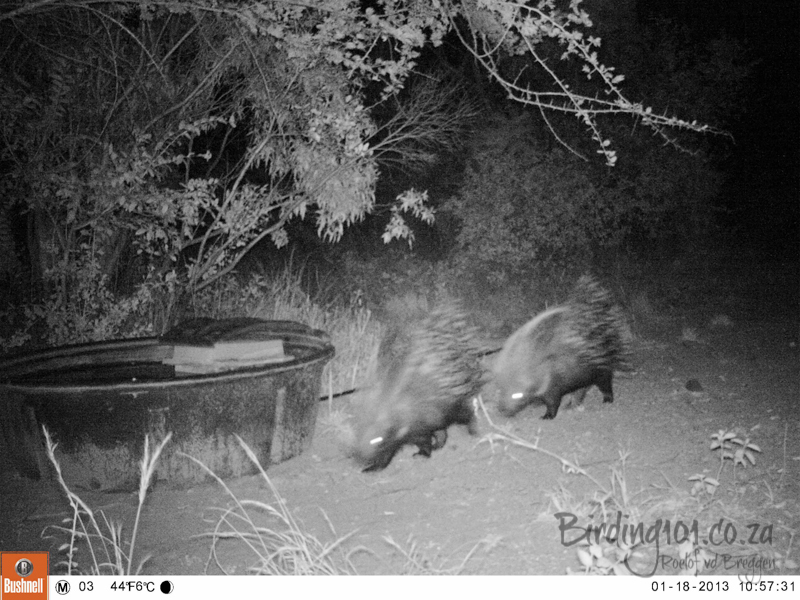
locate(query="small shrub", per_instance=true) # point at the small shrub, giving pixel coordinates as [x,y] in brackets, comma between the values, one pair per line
[520,205]
[81,307]
[733,448]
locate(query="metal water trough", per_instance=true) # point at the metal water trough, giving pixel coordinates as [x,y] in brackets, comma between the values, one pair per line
[99,400]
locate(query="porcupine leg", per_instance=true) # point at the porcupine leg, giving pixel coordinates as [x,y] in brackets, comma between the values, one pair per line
[603,383]
[466,416]
[427,444]
[439,439]
[579,395]
[552,400]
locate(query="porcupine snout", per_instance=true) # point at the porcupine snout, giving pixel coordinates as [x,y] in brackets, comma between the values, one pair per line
[426,377]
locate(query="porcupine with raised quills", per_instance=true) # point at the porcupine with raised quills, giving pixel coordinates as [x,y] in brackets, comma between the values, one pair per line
[426,377]
[565,349]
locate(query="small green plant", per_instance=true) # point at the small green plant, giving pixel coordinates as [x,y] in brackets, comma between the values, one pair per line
[732,447]
[602,557]
[692,560]
[104,543]
[703,485]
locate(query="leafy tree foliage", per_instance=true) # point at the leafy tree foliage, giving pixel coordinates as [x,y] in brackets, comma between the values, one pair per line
[160,140]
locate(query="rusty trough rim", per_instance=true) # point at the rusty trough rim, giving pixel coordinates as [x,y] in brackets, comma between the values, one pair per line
[313,338]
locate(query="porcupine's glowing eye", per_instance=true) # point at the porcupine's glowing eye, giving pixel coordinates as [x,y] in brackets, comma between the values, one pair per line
[376,440]
[516,396]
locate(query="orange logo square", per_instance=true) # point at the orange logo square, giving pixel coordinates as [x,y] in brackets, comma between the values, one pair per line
[23,575]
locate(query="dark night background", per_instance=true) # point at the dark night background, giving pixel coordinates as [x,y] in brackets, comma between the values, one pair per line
[764,189]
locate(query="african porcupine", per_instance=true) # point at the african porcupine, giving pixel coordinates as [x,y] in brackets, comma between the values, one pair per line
[426,376]
[565,349]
